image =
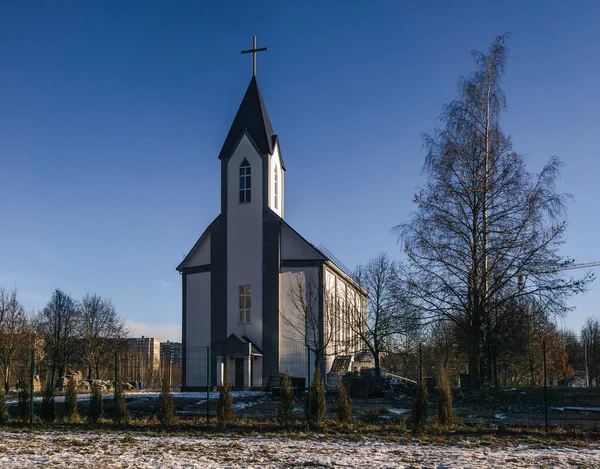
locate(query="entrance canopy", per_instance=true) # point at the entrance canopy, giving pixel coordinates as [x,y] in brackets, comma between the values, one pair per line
[240,346]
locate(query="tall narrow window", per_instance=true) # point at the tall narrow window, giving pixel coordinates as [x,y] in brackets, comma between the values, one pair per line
[245,303]
[245,182]
[276,187]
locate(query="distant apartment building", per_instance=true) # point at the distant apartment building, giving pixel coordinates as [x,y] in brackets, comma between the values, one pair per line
[171,352]
[144,352]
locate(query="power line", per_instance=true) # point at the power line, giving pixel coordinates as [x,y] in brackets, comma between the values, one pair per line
[584,265]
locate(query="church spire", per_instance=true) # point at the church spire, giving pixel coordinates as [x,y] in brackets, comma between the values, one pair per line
[251,117]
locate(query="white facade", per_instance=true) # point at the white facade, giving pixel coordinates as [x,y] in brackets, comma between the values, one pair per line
[244,242]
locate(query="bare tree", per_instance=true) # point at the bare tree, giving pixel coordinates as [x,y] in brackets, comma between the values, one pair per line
[485,231]
[102,331]
[590,336]
[303,320]
[387,313]
[13,329]
[58,323]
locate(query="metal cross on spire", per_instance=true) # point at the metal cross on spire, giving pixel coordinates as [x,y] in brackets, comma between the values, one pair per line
[254,50]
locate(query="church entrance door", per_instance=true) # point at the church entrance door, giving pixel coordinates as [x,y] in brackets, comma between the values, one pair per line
[239,373]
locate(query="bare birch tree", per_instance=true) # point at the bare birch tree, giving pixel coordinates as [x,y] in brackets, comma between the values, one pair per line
[485,231]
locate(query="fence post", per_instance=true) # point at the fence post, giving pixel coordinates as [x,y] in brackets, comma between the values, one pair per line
[420,365]
[545,388]
[308,351]
[207,382]
[587,374]
[31,390]
[116,376]
[170,375]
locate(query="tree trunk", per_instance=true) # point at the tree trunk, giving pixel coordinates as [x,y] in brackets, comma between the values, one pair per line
[474,356]
[7,378]
[377,366]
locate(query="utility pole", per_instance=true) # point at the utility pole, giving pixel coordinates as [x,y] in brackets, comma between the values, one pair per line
[31,389]
[545,388]
[587,376]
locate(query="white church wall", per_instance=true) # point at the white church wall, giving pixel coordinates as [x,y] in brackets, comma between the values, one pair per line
[275,167]
[344,302]
[197,332]
[201,252]
[333,320]
[294,247]
[293,354]
[244,243]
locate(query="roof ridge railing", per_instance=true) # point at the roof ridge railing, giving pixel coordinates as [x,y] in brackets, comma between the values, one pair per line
[336,261]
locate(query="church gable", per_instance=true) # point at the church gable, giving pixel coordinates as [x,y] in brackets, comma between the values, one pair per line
[295,247]
[200,253]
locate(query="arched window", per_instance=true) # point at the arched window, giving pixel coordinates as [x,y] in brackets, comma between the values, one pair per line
[276,187]
[245,182]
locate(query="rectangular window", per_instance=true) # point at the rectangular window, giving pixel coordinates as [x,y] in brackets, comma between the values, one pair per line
[245,182]
[245,303]
[276,188]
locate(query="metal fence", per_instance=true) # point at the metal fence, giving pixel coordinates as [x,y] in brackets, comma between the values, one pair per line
[206,368]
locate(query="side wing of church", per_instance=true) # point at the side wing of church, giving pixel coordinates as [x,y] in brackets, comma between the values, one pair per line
[251,285]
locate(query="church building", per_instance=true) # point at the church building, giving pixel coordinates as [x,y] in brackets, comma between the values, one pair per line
[253,289]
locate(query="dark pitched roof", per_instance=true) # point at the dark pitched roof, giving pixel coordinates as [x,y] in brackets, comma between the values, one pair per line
[251,116]
[238,344]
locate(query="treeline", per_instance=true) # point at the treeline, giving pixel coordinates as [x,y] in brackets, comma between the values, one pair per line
[67,334]
[571,358]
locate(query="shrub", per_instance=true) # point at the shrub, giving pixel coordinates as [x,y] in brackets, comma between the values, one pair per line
[4,417]
[445,411]
[344,408]
[71,413]
[96,405]
[225,414]
[318,406]
[285,412]
[166,409]
[48,404]
[23,396]
[121,414]
[419,410]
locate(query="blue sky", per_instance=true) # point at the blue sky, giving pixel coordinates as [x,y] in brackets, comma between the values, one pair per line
[112,115]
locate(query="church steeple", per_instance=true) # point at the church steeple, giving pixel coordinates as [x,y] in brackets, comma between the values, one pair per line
[252,117]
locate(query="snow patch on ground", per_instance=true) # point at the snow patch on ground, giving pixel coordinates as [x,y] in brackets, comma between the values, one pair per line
[394,410]
[74,450]
[154,395]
